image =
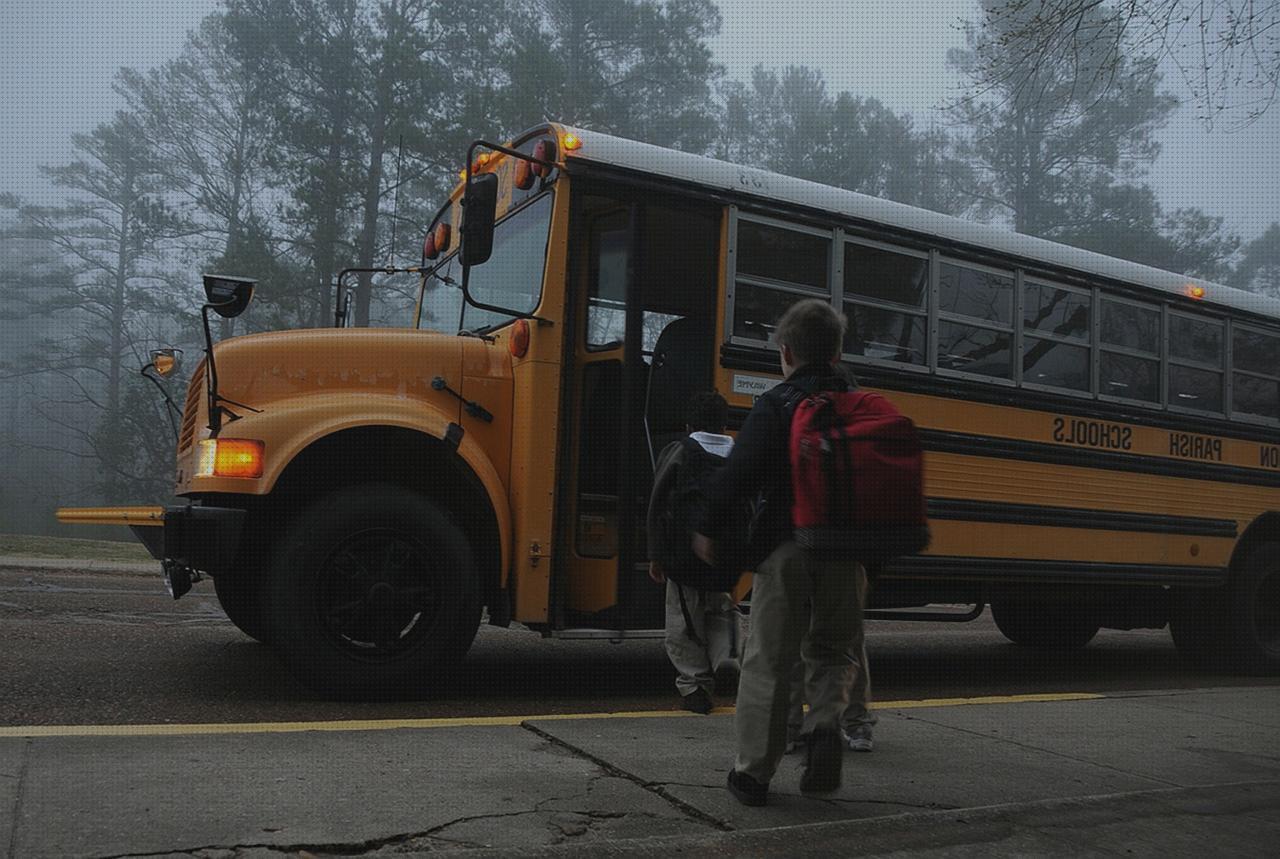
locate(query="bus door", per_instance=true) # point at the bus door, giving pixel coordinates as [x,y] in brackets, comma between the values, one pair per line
[645,342]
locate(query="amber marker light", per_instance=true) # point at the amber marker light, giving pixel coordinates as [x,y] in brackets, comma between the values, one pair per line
[518,345]
[1196,292]
[570,141]
[165,364]
[229,457]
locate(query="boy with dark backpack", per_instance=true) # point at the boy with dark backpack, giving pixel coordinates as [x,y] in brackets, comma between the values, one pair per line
[702,622]
[839,472]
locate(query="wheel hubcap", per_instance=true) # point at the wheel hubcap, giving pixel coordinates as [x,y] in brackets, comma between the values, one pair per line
[375,594]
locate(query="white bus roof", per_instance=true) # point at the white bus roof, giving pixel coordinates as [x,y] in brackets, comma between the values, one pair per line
[776,188]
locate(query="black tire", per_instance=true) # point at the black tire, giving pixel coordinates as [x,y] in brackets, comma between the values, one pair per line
[1251,627]
[373,594]
[1040,624]
[243,595]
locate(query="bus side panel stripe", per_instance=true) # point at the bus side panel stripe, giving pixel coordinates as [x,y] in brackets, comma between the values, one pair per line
[944,441]
[1065,572]
[1075,517]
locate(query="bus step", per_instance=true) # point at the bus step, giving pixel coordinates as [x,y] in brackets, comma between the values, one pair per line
[940,615]
[608,634]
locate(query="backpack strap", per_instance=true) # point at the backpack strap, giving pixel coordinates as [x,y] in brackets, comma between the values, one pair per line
[688,618]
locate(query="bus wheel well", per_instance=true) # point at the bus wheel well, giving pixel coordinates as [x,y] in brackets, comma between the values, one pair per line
[407,458]
[1266,528]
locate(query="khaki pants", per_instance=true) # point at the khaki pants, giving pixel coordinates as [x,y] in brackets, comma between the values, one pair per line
[803,606]
[715,622]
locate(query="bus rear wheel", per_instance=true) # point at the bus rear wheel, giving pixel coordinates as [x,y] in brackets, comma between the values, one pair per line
[373,594]
[1252,599]
[1047,625]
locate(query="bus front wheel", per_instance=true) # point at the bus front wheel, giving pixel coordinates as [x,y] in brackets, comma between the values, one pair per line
[373,594]
[242,595]
[1043,624]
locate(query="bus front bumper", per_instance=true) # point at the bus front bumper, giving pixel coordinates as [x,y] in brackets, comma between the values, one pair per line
[187,540]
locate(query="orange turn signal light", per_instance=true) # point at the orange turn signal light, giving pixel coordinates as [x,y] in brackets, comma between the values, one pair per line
[442,235]
[230,457]
[1196,292]
[518,345]
[524,177]
[570,141]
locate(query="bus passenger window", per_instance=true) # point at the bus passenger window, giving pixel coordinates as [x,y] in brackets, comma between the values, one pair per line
[775,268]
[783,255]
[1192,388]
[1131,326]
[1130,377]
[885,276]
[1130,366]
[1058,353]
[1051,310]
[1255,382]
[977,294]
[875,332]
[1061,365]
[885,303]
[1195,363]
[970,349]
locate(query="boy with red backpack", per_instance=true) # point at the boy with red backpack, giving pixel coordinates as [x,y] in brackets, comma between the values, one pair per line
[848,452]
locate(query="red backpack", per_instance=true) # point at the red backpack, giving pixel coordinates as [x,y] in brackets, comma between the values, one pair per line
[857,475]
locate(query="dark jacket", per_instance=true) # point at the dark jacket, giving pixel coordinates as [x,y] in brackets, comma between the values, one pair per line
[760,464]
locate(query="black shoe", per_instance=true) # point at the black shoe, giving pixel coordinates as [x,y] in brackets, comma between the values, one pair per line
[727,674]
[697,701]
[747,790]
[825,759]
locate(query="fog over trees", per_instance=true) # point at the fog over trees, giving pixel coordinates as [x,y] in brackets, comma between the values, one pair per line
[290,139]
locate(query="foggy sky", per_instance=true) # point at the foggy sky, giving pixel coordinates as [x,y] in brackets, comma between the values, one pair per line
[58,57]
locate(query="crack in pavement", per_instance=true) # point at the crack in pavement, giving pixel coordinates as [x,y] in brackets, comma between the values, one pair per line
[17,797]
[655,788]
[404,839]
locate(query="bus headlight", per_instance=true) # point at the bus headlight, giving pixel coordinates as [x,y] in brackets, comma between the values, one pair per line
[229,457]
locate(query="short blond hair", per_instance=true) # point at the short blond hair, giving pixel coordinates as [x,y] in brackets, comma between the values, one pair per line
[814,331]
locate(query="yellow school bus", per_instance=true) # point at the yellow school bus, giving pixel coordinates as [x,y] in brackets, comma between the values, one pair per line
[1102,438]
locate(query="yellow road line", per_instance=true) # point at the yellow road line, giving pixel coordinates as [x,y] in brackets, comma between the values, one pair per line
[469,721]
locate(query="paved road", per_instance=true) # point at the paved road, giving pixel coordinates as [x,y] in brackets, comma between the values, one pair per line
[107,647]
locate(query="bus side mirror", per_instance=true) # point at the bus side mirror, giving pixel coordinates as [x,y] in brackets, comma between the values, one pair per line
[480,207]
[228,296]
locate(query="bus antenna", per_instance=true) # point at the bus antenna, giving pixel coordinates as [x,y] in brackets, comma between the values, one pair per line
[395,201]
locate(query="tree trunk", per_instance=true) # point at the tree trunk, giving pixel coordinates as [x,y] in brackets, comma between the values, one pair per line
[372,198]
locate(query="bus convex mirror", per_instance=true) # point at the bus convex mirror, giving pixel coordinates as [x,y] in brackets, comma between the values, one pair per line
[166,361]
[480,206]
[228,296]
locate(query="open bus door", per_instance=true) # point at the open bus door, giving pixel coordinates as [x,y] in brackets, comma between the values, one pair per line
[644,343]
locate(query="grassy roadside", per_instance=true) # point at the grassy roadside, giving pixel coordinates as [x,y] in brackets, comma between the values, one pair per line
[21,545]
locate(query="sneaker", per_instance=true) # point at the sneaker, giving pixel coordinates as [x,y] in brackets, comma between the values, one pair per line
[697,701]
[727,674]
[747,790]
[858,738]
[825,759]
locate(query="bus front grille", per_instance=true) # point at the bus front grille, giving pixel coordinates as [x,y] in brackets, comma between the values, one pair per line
[191,409]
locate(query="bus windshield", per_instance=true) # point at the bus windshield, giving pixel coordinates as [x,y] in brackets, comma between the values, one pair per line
[511,278]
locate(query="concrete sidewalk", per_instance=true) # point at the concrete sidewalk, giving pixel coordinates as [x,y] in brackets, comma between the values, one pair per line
[1168,773]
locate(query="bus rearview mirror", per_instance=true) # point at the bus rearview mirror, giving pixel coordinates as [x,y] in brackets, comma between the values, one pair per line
[480,206]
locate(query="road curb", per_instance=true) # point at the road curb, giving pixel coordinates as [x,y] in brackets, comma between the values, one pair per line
[1050,826]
